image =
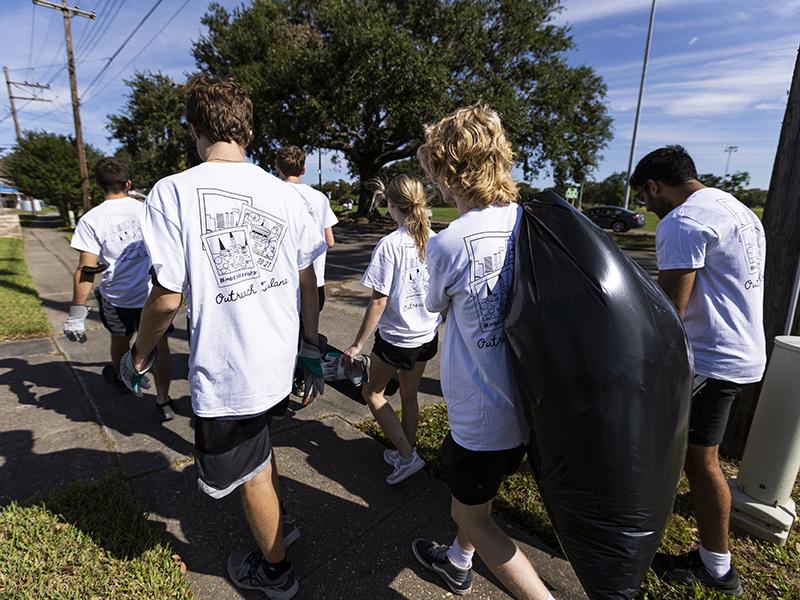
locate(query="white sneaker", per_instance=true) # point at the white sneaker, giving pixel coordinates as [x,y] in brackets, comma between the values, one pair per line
[403,469]
[391,456]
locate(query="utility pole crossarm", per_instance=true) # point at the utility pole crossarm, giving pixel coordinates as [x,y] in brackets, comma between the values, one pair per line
[72,10]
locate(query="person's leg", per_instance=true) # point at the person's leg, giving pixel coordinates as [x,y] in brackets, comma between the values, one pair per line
[711,496]
[262,507]
[120,344]
[162,371]
[379,376]
[498,552]
[409,385]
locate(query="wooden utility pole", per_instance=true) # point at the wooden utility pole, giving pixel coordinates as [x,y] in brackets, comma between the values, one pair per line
[69,12]
[782,229]
[12,97]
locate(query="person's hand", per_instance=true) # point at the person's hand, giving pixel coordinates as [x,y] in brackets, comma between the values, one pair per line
[350,355]
[75,325]
[135,379]
[310,358]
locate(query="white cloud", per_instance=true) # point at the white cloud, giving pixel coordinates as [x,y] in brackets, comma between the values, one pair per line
[578,11]
[693,40]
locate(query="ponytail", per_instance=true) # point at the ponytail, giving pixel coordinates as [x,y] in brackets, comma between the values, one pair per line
[408,195]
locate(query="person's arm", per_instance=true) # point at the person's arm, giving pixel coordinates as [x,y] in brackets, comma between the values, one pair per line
[309,305]
[157,314]
[677,285]
[81,281]
[329,237]
[375,308]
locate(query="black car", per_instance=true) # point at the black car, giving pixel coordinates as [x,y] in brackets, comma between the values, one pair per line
[615,217]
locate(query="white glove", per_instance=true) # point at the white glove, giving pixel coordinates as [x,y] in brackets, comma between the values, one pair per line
[136,380]
[75,325]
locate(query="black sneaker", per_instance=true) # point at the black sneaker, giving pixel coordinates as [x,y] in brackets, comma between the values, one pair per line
[246,570]
[434,557]
[689,569]
[164,411]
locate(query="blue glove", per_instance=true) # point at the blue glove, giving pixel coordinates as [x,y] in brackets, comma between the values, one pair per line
[135,380]
[310,358]
[75,325]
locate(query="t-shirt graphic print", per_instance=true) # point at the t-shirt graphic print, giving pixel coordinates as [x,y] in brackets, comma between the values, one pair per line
[233,238]
[491,258]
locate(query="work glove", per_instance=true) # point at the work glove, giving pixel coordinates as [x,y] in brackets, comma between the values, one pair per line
[310,358]
[136,380]
[75,325]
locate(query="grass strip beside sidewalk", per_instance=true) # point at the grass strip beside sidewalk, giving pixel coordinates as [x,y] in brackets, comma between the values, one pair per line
[90,540]
[767,571]
[21,314]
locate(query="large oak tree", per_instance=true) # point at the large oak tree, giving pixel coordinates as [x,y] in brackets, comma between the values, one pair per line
[362,77]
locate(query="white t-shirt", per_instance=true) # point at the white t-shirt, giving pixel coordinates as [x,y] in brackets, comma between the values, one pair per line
[396,271]
[720,237]
[471,266]
[112,232]
[233,238]
[318,206]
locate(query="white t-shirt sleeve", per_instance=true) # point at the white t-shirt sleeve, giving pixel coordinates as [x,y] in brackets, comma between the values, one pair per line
[162,238]
[85,238]
[437,299]
[380,272]
[329,218]
[681,244]
[310,243]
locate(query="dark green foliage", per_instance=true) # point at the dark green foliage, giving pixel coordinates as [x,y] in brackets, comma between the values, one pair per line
[363,77]
[152,129]
[45,165]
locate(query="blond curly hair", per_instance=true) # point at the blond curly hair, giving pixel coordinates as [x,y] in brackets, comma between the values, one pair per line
[468,155]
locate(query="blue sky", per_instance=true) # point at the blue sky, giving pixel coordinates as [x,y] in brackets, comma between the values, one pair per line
[719,70]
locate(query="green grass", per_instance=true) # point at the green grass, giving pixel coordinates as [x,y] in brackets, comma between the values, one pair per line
[768,572]
[21,314]
[87,541]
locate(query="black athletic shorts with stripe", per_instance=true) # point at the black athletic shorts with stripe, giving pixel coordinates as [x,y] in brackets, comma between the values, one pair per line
[711,406]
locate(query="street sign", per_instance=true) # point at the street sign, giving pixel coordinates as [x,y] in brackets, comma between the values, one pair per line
[571,194]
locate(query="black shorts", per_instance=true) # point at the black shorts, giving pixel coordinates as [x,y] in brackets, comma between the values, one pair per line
[474,477]
[711,405]
[229,452]
[123,322]
[404,358]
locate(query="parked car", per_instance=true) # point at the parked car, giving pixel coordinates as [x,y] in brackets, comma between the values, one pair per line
[615,217]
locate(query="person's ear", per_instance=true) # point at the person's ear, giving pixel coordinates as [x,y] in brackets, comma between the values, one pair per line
[192,133]
[303,172]
[652,187]
[128,186]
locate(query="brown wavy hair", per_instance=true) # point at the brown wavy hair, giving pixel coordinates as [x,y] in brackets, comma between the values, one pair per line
[467,153]
[291,160]
[408,195]
[219,109]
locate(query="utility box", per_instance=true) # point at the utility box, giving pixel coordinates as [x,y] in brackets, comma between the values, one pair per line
[761,495]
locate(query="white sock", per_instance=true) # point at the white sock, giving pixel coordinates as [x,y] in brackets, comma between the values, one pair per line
[460,557]
[717,564]
[550,597]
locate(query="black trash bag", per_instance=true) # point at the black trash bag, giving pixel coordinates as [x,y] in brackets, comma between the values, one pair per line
[604,374]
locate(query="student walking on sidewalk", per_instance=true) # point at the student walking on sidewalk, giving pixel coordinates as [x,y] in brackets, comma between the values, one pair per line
[471,265]
[406,331]
[109,239]
[234,239]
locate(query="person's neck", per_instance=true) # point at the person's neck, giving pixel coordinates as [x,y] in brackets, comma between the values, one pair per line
[116,196]
[463,207]
[224,152]
[292,179]
[685,190]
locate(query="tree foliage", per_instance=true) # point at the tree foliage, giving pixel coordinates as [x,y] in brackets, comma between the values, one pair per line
[152,129]
[45,166]
[362,77]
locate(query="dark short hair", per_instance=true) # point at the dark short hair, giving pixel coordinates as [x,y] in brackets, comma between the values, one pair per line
[111,174]
[219,109]
[291,160]
[671,165]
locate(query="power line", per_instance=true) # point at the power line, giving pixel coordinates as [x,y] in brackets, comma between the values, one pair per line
[102,31]
[33,30]
[121,47]
[150,41]
[46,38]
[58,64]
[88,33]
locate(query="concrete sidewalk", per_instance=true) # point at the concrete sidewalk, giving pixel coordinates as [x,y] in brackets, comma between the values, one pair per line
[65,423]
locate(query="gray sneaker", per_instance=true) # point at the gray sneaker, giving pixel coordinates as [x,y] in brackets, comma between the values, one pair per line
[291,532]
[391,456]
[403,469]
[434,557]
[246,570]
